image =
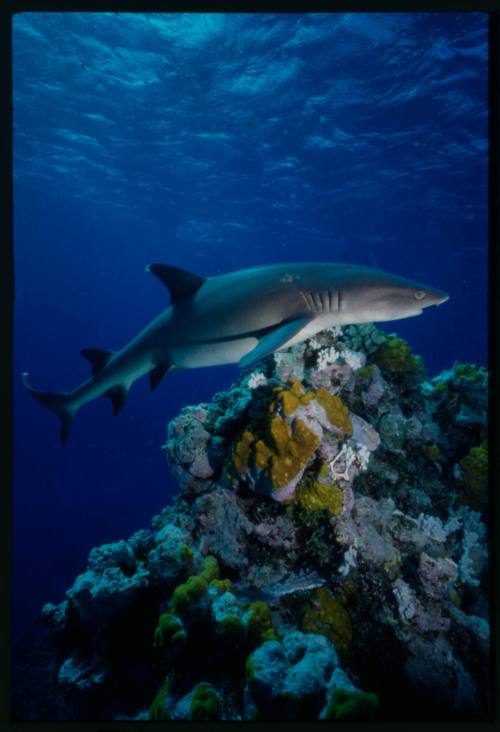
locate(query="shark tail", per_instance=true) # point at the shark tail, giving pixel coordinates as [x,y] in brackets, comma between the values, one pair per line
[59,403]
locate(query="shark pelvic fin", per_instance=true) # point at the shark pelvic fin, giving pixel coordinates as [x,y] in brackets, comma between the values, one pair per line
[98,358]
[273,341]
[59,403]
[157,374]
[181,284]
[118,396]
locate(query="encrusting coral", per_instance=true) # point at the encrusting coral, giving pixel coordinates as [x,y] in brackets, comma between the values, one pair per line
[328,615]
[316,496]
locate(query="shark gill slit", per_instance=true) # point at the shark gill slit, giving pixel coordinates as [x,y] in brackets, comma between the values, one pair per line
[308,300]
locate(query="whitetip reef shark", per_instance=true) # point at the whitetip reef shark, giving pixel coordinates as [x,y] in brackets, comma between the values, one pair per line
[239,317]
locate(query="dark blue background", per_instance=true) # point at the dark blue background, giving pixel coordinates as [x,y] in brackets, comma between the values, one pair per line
[216,142]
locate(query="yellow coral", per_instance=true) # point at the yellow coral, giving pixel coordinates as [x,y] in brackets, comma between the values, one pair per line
[328,616]
[288,453]
[314,496]
[262,454]
[241,455]
[284,451]
[291,398]
[292,449]
[280,433]
[336,411]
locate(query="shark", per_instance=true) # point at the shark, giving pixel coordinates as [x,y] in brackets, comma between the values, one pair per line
[239,317]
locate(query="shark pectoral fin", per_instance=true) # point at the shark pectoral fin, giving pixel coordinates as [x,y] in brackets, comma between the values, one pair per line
[118,396]
[273,341]
[157,374]
[98,358]
[180,283]
[59,403]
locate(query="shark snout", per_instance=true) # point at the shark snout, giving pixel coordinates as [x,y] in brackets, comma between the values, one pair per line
[441,298]
[435,297]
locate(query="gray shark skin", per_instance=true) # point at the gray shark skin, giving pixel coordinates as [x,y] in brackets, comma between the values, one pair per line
[240,317]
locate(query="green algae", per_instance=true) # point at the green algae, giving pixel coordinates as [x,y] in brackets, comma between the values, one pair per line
[170,629]
[205,704]
[396,355]
[352,705]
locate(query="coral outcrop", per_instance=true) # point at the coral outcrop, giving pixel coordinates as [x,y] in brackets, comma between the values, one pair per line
[326,557]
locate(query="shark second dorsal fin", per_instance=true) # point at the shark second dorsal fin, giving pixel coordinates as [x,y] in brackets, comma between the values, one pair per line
[98,358]
[181,284]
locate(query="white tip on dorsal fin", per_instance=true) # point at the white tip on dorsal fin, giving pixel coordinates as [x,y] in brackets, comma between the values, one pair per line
[181,283]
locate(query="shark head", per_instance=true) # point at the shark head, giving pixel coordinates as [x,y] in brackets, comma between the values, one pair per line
[380,296]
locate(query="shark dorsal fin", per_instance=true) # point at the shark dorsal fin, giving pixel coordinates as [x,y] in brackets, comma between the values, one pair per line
[118,395]
[98,358]
[181,284]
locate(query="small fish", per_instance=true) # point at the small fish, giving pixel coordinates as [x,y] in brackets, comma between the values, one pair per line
[301,582]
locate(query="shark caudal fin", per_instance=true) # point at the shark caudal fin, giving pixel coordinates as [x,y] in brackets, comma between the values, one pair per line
[57,402]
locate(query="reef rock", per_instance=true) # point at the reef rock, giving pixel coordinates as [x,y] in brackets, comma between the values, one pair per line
[288,680]
[326,557]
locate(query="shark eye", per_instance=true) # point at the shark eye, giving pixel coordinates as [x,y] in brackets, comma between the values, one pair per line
[419,295]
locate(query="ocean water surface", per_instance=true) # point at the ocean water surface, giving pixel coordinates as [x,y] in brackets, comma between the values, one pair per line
[215,142]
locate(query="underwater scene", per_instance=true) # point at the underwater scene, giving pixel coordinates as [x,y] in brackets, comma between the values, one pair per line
[280,509]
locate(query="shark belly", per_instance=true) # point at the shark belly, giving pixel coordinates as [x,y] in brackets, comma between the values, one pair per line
[198,355]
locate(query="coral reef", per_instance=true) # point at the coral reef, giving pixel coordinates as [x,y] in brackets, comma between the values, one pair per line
[288,679]
[326,557]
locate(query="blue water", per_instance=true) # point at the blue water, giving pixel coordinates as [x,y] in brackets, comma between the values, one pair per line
[216,142]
